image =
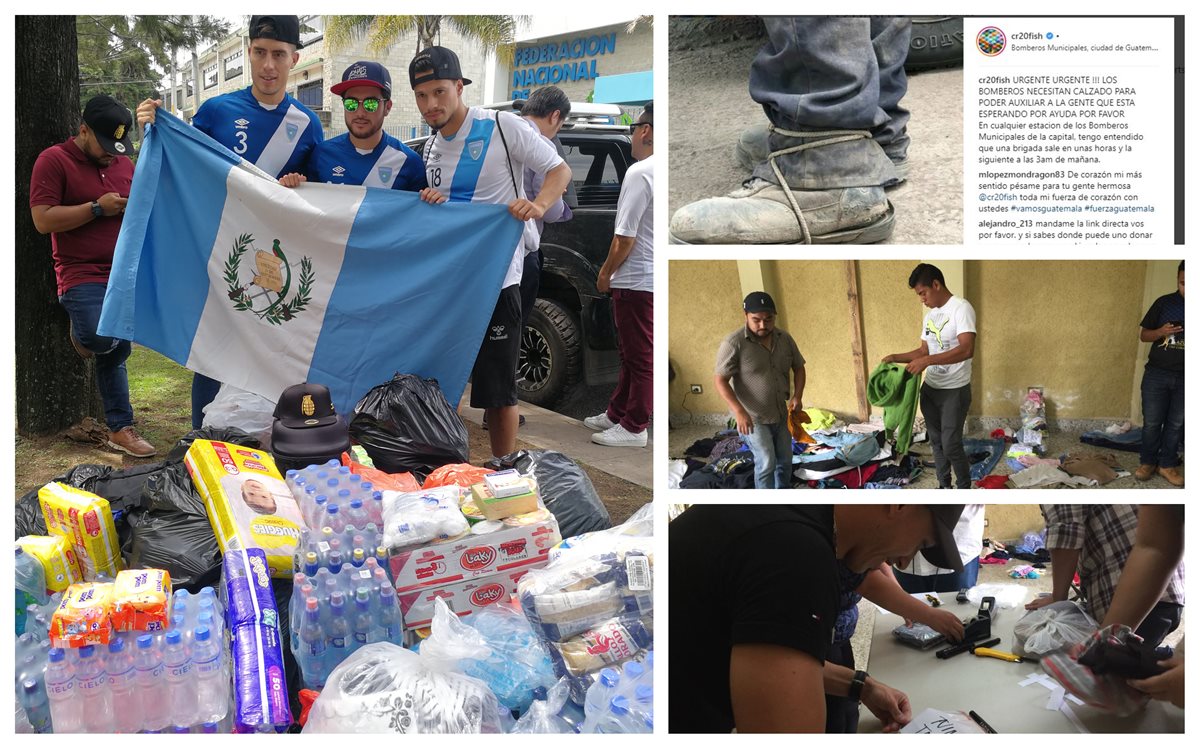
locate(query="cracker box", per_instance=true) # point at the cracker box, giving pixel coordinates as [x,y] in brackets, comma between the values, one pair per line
[508,548]
[463,598]
[84,617]
[86,522]
[498,508]
[58,560]
[141,601]
[248,504]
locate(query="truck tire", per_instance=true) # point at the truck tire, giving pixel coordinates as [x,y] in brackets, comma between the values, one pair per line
[551,354]
[937,42]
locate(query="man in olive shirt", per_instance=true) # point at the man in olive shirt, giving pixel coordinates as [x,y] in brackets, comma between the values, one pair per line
[752,376]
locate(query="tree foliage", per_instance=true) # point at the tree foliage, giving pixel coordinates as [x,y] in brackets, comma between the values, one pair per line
[492,33]
[126,56]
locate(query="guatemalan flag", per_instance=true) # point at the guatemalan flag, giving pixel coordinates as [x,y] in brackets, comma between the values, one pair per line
[232,275]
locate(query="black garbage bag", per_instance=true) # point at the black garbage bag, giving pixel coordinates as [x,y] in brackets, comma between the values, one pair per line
[407,425]
[565,489]
[216,434]
[120,487]
[171,531]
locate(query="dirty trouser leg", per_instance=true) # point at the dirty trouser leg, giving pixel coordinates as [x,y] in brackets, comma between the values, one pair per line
[821,73]
[890,38]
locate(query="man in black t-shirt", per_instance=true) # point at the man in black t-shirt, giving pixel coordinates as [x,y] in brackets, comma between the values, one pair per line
[754,596]
[1162,388]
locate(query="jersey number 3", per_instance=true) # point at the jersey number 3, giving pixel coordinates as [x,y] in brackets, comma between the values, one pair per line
[240,148]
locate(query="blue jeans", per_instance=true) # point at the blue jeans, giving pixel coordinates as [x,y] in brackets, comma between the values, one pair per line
[83,303]
[771,445]
[1162,417]
[951,582]
[819,73]
[204,391]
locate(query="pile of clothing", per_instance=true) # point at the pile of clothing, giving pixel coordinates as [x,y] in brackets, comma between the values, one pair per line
[1073,469]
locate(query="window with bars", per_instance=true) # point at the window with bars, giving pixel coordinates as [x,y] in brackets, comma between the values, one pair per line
[210,76]
[233,65]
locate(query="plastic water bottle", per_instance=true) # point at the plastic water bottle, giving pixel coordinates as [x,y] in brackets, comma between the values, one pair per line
[65,709]
[150,675]
[37,706]
[181,680]
[211,687]
[91,686]
[341,641]
[363,621]
[357,514]
[618,718]
[122,685]
[390,621]
[312,655]
[599,695]
[31,585]
[333,518]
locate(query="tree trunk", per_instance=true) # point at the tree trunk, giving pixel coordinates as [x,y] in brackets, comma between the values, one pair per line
[55,388]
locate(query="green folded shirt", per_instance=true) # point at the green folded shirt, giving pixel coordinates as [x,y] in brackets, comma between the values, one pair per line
[897,391]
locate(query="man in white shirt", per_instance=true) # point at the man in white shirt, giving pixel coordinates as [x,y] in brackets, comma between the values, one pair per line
[476,155]
[947,347]
[629,274]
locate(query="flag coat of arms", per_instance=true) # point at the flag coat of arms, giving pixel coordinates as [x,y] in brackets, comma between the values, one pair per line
[232,275]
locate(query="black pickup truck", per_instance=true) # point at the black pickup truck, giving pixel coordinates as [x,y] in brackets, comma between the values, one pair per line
[570,336]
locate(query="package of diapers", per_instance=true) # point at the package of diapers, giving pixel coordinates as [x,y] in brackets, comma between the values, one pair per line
[248,504]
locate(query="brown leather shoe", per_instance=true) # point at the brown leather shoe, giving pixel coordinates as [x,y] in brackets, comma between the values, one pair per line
[127,440]
[1172,475]
[79,347]
[1145,472]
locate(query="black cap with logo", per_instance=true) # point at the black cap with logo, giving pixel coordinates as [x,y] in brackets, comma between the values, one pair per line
[305,405]
[112,122]
[279,28]
[441,63]
[758,301]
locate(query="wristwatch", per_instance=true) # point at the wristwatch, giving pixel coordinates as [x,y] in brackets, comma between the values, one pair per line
[857,684]
[97,211]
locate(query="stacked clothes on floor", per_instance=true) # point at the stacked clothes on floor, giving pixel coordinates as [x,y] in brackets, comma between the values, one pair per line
[1073,469]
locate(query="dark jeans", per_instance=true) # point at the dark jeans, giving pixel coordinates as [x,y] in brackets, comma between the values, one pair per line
[1162,620]
[531,281]
[841,713]
[204,391]
[951,582]
[1162,417]
[822,73]
[83,303]
[945,413]
[633,401]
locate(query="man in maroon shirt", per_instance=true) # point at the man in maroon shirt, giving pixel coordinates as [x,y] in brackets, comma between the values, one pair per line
[77,194]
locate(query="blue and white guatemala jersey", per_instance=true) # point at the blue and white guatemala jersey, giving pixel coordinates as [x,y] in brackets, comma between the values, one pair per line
[278,140]
[471,166]
[390,165]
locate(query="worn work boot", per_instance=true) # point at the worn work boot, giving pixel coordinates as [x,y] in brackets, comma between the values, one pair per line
[760,213]
[127,440]
[79,347]
[1144,472]
[752,149]
[1172,475]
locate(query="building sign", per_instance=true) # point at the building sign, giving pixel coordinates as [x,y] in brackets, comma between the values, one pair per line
[573,60]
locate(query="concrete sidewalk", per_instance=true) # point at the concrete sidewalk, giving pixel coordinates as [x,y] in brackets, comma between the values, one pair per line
[548,430]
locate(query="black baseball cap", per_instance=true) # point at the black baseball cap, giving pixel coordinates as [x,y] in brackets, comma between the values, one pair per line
[758,301]
[365,73]
[944,552]
[112,122]
[443,62]
[279,28]
[305,405]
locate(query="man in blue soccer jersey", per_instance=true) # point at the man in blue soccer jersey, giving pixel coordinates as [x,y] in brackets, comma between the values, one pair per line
[261,123]
[476,155]
[365,155]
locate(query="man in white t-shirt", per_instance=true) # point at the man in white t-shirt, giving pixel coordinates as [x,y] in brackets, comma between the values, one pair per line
[479,156]
[628,274]
[947,347]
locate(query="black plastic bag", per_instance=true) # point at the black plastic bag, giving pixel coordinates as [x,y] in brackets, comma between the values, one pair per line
[171,531]
[565,489]
[216,434]
[406,424]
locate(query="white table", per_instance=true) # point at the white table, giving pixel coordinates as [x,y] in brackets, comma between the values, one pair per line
[990,686]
